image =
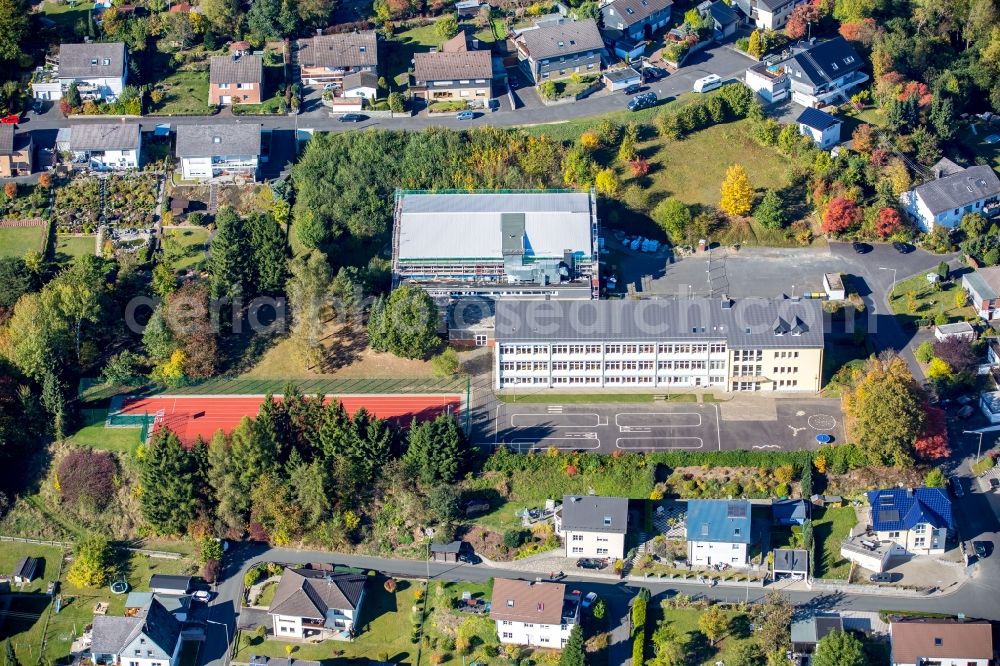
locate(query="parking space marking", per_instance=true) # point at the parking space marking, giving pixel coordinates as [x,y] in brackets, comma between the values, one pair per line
[659,443]
[572,443]
[554,420]
[655,418]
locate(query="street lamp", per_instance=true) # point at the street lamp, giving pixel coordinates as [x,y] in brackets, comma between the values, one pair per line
[226,627]
[976,432]
[883,268]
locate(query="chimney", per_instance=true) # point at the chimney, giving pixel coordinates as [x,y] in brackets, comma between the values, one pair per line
[319,32]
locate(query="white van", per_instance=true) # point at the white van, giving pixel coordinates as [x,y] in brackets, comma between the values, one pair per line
[706,83]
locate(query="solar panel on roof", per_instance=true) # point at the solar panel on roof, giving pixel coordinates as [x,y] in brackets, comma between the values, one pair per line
[888,515]
[736,511]
[886,500]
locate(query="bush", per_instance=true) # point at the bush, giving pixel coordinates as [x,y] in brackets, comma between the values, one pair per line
[87,477]
[925,352]
[446,363]
[390,585]
[513,539]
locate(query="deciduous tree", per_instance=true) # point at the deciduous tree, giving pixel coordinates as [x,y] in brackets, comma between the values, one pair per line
[673,217]
[770,211]
[839,648]
[714,623]
[840,215]
[92,564]
[889,222]
[737,194]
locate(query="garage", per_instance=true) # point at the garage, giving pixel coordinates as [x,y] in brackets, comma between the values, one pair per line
[225,99]
[790,563]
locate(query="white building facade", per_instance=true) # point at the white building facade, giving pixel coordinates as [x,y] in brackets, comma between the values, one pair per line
[709,553]
[534,614]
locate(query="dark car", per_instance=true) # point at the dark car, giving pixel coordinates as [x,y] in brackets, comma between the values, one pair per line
[994,483]
[633,89]
[884,577]
[965,412]
[590,563]
[653,74]
[956,486]
[643,101]
[982,548]
[903,248]
[469,558]
[352,118]
[861,248]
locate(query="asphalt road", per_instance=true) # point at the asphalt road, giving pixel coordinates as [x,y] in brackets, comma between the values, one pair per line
[720,59]
[977,598]
[745,423]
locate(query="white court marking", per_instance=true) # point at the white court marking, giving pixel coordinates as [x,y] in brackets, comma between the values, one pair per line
[649,426]
[795,431]
[581,443]
[660,443]
[765,446]
[822,422]
[555,420]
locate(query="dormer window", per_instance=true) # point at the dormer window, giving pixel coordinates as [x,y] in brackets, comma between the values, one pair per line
[510,603]
[361,49]
[736,531]
[938,642]
[93,62]
[607,521]
[106,62]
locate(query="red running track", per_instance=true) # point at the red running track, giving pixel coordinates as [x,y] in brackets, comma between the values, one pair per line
[191,416]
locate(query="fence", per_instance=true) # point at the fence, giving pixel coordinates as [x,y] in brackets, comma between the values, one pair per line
[358,386]
[162,554]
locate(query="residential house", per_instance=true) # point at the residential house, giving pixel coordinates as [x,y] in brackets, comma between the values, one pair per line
[327,59]
[954,193]
[788,513]
[178,605]
[235,79]
[219,151]
[917,519]
[534,613]
[16,152]
[813,73]
[148,638]
[718,532]
[310,604]
[170,585]
[961,330]
[808,631]
[26,570]
[558,51]
[634,20]
[941,642]
[790,563]
[725,20]
[768,14]
[105,146]
[983,287]
[592,526]
[819,126]
[456,72]
[99,70]
[361,84]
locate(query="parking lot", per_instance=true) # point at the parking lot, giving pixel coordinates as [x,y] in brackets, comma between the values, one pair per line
[743,423]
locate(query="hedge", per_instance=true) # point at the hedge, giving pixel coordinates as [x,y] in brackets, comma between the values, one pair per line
[505,461]
[639,608]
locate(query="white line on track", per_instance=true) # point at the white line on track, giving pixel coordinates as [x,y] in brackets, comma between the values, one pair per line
[575,443]
[697,424]
[553,420]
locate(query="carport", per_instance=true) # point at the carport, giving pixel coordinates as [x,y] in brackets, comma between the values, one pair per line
[790,563]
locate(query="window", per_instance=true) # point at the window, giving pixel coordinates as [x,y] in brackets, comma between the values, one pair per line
[938,642]
[577,537]
[602,551]
[510,603]
[507,623]
[507,634]
[607,521]
[577,550]
[480,340]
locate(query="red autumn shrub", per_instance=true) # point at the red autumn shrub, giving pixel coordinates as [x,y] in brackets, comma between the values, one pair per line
[87,477]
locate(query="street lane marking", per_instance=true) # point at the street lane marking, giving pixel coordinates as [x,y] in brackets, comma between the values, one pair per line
[554,420]
[660,443]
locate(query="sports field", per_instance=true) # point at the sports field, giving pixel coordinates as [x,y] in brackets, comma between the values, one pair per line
[191,416]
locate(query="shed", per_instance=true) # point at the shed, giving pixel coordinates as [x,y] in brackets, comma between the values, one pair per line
[788,512]
[833,285]
[819,126]
[619,79]
[166,584]
[790,563]
[26,570]
[827,500]
[961,330]
[446,552]
[807,632]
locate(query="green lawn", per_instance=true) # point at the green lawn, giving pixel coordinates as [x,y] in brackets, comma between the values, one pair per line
[95,435]
[66,15]
[385,626]
[267,594]
[11,552]
[402,47]
[71,247]
[832,525]
[915,299]
[566,88]
[18,241]
[269,107]
[684,621]
[186,248]
[185,94]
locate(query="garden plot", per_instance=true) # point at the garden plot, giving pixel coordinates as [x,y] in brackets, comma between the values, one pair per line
[131,200]
[78,205]
[27,202]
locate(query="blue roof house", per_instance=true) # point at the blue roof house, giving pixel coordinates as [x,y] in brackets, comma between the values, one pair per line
[718,532]
[786,513]
[917,519]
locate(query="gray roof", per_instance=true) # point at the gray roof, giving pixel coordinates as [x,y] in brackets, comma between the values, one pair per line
[722,13]
[152,634]
[362,79]
[349,49]
[169,582]
[309,593]
[591,513]
[984,281]
[821,62]
[218,140]
[621,74]
[453,547]
[236,69]
[945,167]
[90,136]
[89,61]
[6,139]
[469,225]
[749,323]
[813,629]
[959,189]
[564,39]
[787,559]
[26,567]
[634,11]
[172,602]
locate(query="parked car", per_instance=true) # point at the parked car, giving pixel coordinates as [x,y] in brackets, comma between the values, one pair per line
[469,558]
[956,486]
[884,577]
[982,548]
[965,412]
[653,74]
[903,248]
[590,563]
[202,595]
[331,86]
[352,118]
[643,101]
[589,599]
[965,399]
[861,248]
[633,89]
